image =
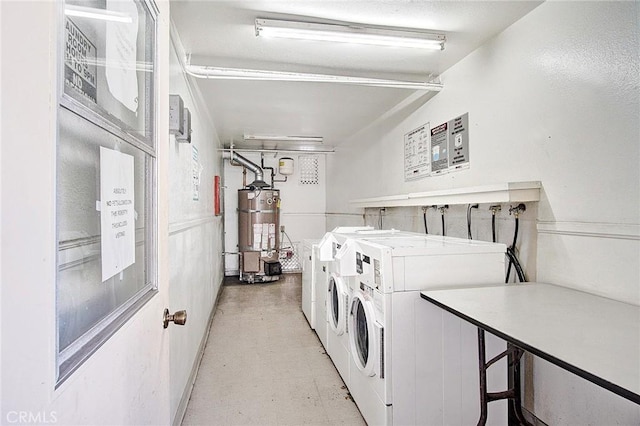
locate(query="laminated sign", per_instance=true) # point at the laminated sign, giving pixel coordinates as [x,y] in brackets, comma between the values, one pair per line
[117,216]
[80,69]
[416,153]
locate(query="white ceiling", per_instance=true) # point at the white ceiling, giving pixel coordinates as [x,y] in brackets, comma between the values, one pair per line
[221,33]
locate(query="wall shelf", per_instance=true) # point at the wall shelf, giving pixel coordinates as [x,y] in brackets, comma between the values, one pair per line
[498,193]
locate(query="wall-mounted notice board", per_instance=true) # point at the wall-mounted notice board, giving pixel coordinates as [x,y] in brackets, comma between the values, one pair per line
[432,151]
[106,172]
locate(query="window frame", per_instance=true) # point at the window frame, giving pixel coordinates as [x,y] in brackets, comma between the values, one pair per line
[69,359]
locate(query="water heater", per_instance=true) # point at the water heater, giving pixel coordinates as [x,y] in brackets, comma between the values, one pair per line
[258,226]
[259,234]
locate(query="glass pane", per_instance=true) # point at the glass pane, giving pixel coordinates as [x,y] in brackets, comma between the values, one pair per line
[83,299]
[362,334]
[108,62]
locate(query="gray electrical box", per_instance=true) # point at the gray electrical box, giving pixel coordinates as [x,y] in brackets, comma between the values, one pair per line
[176,115]
[186,135]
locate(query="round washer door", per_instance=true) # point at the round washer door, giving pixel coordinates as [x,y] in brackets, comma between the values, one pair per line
[362,336]
[337,304]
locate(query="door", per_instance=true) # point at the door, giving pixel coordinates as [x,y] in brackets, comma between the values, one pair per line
[124,379]
[337,304]
[363,335]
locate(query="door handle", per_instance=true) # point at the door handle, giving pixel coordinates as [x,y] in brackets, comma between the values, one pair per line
[179,318]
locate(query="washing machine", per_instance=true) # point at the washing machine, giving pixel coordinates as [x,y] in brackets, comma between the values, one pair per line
[320,291]
[339,290]
[325,253]
[309,266]
[411,362]
[341,245]
[367,343]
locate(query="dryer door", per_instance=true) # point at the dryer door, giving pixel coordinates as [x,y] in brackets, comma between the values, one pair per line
[337,304]
[365,335]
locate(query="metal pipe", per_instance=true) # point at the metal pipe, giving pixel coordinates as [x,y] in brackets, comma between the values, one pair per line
[257,171]
[273,172]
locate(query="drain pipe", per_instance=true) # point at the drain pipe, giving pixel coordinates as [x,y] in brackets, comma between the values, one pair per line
[257,171]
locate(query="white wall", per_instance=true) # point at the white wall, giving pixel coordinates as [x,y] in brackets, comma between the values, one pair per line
[195,234]
[553,98]
[302,209]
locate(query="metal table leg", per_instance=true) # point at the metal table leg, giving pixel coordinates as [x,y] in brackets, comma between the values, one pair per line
[514,354]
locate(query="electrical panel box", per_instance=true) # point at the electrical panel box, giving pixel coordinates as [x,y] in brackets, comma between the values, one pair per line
[185,136]
[176,115]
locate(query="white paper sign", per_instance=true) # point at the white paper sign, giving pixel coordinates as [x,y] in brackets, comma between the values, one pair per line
[416,153]
[117,222]
[196,170]
[121,53]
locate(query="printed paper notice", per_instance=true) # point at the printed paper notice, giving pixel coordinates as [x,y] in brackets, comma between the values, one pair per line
[196,170]
[459,142]
[117,224]
[416,153]
[439,149]
[121,53]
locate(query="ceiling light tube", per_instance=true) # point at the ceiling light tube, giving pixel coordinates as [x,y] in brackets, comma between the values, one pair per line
[349,34]
[95,13]
[200,71]
[305,139]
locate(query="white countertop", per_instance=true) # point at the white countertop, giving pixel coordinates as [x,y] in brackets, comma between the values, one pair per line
[594,337]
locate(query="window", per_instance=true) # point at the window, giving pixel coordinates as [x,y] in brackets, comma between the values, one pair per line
[106,173]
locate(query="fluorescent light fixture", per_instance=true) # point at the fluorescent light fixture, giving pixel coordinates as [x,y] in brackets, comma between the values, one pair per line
[99,14]
[200,71]
[275,138]
[350,34]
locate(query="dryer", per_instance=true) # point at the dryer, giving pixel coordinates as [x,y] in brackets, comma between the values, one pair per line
[412,363]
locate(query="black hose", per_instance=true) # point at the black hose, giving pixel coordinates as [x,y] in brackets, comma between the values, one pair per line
[471,206]
[493,227]
[513,248]
[516,263]
[424,217]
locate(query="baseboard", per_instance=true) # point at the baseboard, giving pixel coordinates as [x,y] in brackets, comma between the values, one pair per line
[186,395]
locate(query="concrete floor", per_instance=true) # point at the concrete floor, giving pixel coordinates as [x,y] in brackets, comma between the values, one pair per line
[263,365]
